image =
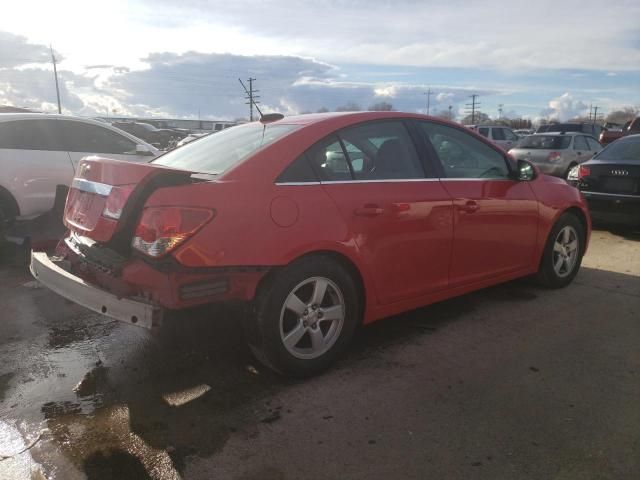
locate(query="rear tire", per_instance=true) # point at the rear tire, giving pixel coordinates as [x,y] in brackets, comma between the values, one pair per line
[563,252]
[304,317]
[566,174]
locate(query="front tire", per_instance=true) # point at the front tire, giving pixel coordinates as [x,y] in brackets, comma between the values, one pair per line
[305,315]
[562,253]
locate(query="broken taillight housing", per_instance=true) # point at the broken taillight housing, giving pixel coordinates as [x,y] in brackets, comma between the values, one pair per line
[116,201]
[583,171]
[161,229]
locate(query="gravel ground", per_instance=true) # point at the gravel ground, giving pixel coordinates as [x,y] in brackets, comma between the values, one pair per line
[511,382]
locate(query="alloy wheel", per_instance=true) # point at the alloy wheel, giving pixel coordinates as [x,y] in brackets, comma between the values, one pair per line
[565,251]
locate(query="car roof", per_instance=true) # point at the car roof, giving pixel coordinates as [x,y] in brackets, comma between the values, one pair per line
[5,117]
[313,118]
[561,134]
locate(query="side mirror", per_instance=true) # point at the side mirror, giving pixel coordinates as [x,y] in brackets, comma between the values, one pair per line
[526,171]
[143,150]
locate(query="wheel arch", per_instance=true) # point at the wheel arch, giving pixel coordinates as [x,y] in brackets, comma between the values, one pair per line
[8,200]
[340,258]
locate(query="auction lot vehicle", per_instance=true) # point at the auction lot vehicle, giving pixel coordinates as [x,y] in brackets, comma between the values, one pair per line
[610,182]
[318,223]
[159,137]
[556,153]
[502,136]
[586,128]
[40,151]
[630,128]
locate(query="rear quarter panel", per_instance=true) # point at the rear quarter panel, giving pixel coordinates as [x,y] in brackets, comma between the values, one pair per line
[555,196]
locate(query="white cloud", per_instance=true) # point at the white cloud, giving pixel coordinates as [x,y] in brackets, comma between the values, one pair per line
[564,108]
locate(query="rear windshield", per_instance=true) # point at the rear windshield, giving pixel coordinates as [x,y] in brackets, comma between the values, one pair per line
[545,142]
[563,127]
[625,149]
[221,151]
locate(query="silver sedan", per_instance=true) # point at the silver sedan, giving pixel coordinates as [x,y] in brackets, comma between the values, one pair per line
[556,153]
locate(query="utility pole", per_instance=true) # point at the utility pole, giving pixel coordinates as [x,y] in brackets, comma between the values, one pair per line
[428,93]
[500,110]
[450,114]
[473,106]
[250,96]
[595,115]
[55,74]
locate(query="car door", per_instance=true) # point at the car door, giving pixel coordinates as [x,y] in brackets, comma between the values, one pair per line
[495,217]
[581,149]
[594,146]
[34,163]
[84,139]
[400,220]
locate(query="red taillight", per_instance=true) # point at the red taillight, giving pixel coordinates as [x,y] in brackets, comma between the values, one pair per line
[116,201]
[161,229]
[554,156]
[583,171]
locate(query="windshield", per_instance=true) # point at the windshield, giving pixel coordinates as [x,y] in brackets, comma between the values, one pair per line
[545,142]
[219,152]
[625,149]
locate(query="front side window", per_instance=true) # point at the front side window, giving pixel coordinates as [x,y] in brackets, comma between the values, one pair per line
[462,155]
[484,131]
[509,135]
[217,153]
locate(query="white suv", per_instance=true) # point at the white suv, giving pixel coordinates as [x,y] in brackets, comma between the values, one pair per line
[501,136]
[39,151]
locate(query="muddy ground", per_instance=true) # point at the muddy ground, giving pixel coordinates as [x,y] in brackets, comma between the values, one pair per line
[512,382]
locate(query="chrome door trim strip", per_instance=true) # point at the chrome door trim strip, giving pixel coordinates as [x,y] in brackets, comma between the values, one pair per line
[92,187]
[597,194]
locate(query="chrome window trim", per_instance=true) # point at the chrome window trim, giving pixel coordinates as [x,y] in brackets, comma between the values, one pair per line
[296,184]
[597,194]
[101,189]
[397,180]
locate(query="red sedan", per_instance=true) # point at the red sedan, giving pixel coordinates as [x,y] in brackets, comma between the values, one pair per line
[318,222]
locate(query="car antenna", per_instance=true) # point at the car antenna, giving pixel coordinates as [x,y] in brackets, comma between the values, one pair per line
[265,118]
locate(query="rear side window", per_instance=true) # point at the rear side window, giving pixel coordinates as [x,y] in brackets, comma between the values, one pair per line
[579,143]
[299,171]
[593,144]
[462,155]
[329,160]
[498,134]
[381,151]
[31,135]
[86,138]
[484,131]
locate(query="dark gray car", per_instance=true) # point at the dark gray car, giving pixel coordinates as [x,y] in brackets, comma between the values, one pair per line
[556,153]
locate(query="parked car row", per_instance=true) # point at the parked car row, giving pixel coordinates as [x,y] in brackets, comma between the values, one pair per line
[38,152]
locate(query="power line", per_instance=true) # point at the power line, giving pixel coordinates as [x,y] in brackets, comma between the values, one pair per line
[428,93]
[251,97]
[472,107]
[55,74]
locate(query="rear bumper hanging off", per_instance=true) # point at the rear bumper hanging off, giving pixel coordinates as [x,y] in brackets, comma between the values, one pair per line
[78,291]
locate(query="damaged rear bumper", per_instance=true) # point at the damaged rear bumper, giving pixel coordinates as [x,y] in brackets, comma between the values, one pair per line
[71,287]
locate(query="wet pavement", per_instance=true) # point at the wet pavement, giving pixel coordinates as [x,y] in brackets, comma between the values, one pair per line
[509,382]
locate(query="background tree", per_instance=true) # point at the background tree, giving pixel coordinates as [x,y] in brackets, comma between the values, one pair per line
[623,115]
[322,110]
[381,107]
[480,119]
[349,107]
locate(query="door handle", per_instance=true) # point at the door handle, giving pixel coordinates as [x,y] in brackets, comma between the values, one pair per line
[470,206]
[369,210]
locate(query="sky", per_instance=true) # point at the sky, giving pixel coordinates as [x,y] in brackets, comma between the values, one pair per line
[542,59]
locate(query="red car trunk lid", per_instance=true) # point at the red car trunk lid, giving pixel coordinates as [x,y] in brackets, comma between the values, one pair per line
[98,179]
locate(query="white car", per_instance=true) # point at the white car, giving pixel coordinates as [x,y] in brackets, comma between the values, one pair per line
[40,151]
